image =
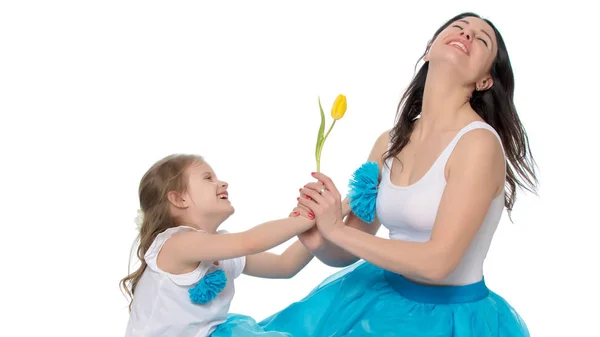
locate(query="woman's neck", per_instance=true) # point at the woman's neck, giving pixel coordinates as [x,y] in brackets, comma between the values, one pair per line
[444,101]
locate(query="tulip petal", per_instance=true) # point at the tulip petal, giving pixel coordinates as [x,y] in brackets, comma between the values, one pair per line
[339,107]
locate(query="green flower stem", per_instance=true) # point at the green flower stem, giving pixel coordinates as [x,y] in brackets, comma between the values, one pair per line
[328,131]
[320,146]
[319,161]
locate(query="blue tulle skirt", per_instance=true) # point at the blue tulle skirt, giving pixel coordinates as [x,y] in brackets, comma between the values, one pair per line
[365,300]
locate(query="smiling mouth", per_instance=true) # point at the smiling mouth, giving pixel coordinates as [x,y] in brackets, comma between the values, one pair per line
[460,46]
[223,196]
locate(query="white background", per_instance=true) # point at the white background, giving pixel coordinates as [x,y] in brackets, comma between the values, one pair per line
[92,93]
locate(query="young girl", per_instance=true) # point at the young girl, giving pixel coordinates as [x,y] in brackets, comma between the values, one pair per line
[184,285]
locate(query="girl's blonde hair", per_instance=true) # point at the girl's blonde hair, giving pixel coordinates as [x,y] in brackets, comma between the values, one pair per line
[168,174]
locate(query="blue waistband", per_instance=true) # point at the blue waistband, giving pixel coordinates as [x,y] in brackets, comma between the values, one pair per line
[435,294]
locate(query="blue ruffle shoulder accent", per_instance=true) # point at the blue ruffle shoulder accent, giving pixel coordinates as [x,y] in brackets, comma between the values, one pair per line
[363,191]
[209,287]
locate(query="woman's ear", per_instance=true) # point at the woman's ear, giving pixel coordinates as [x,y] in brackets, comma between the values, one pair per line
[484,84]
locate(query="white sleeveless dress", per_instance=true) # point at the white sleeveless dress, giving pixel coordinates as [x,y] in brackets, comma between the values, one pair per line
[162,306]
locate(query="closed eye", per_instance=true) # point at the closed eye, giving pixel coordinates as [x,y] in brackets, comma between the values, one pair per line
[480,39]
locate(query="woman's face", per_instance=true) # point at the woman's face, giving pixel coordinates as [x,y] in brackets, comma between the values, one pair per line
[469,45]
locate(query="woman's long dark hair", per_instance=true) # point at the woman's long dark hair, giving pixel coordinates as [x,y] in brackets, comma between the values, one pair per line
[495,106]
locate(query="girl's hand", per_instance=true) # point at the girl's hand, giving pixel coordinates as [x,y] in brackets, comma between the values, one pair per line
[304,211]
[311,239]
[324,200]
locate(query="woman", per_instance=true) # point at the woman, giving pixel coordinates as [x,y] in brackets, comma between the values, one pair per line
[443,172]
[444,167]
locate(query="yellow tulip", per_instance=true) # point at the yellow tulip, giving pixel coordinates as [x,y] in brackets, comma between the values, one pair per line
[339,107]
[337,111]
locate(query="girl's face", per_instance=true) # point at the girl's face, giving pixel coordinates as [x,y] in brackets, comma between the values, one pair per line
[206,201]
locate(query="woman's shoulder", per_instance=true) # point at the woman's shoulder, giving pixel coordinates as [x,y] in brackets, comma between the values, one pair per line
[384,137]
[479,148]
[380,147]
[479,136]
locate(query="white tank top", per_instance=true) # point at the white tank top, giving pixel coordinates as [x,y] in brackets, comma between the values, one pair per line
[409,212]
[162,306]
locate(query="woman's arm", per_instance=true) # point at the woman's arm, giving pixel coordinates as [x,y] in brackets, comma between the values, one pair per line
[286,265]
[475,177]
[327,251]
[192,247]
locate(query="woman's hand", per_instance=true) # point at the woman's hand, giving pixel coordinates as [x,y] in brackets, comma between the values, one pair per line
[324,200]
[311,239]
[346,207]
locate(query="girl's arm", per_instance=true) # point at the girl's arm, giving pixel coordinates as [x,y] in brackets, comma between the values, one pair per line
[286,265]
[191,247]
[475,177]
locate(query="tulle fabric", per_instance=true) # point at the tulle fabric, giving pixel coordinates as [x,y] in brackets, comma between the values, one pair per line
[365,300]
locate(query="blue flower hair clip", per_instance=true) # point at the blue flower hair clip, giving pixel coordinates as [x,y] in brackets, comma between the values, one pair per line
[209,287]
[363,191]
